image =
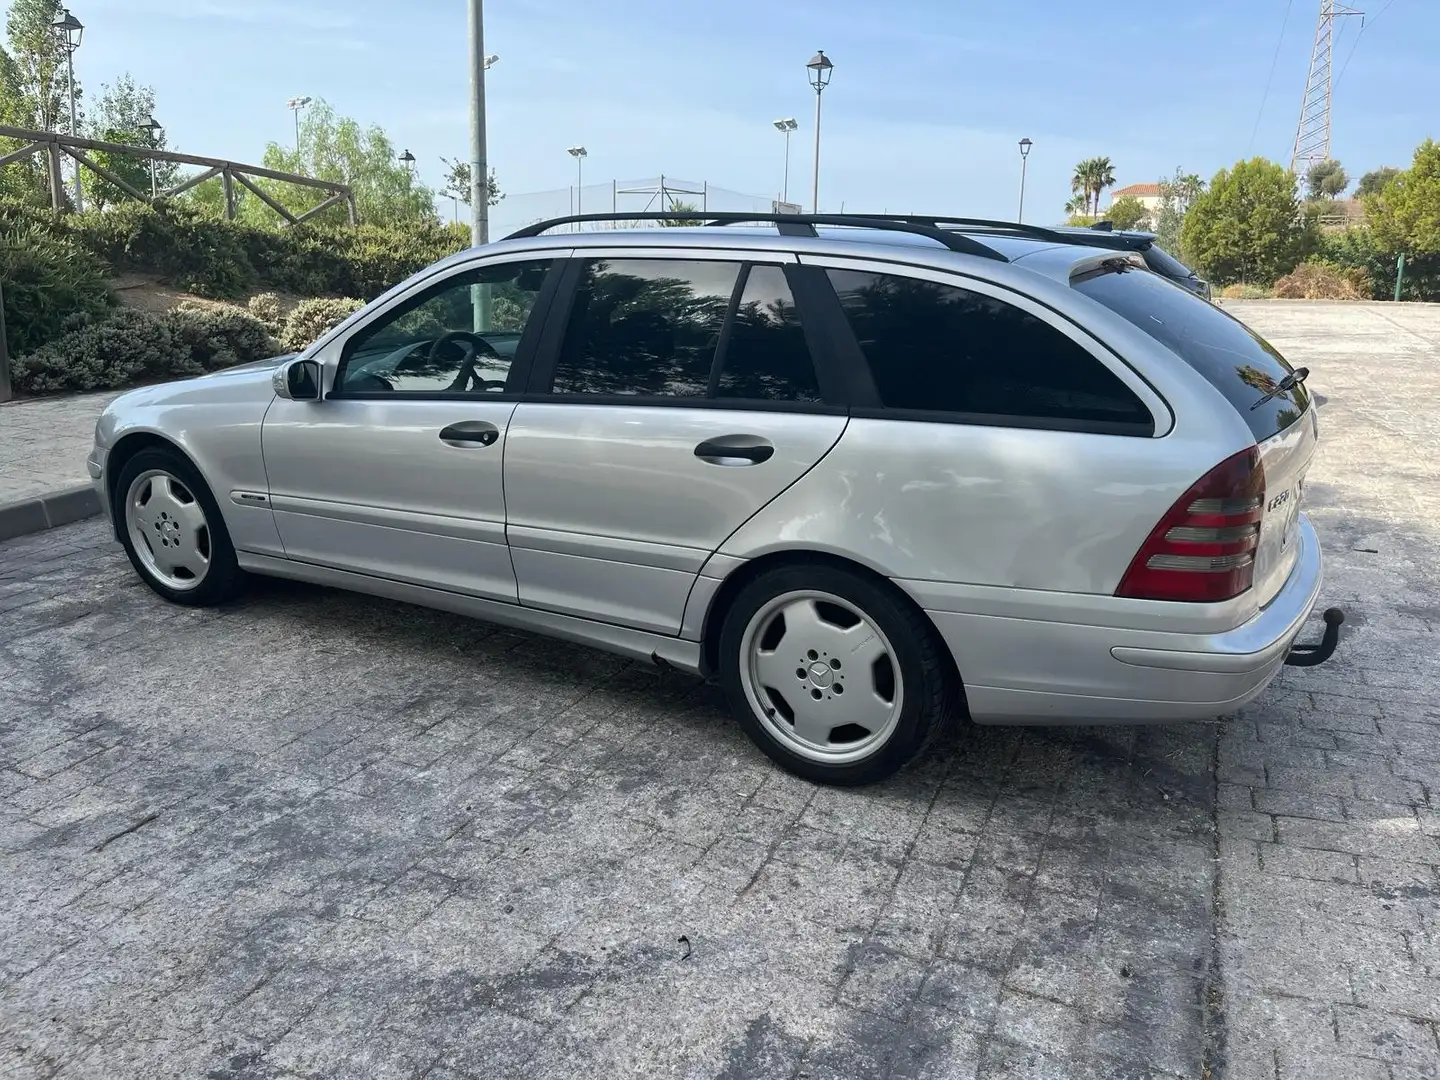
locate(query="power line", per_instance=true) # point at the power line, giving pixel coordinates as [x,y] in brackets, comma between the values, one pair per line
[1363,26]
[1271,77]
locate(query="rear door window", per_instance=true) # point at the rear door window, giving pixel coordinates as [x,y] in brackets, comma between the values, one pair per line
[937,348]
[1233,358]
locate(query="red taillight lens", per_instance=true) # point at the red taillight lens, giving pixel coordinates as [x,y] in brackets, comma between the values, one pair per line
[1204,547]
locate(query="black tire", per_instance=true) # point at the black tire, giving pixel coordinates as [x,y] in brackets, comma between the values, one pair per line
[930,686]
[223,579]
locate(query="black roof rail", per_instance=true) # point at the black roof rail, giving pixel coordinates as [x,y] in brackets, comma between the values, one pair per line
[1014,228]
[788,224]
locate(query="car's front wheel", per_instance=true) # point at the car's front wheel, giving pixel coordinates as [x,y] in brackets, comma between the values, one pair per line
[835,677]
[172,530]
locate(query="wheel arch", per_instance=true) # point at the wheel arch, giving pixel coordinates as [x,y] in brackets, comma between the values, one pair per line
[752,569]
[121,454]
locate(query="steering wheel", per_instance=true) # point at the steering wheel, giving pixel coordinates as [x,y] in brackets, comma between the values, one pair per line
[475,347]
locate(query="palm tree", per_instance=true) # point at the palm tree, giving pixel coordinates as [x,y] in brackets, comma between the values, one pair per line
[1078,205]
[1102,175]
[1080,185]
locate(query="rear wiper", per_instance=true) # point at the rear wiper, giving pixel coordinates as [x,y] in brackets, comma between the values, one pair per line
[1284,386]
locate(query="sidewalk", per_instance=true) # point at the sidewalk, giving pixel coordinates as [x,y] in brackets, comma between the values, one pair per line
[43,445]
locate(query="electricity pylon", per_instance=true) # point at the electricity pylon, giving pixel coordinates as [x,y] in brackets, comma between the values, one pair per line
[1312,136]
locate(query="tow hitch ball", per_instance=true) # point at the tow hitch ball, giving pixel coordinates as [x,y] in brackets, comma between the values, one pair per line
[1310,655]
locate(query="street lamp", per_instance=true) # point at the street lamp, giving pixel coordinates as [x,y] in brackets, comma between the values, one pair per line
[408,160]
[68,32]
[491,61]
[152,126]
[295,104]
[1025,145]
[820,69]
[786,126]
[579,153]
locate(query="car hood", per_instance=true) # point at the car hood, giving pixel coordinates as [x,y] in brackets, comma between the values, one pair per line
[268,364]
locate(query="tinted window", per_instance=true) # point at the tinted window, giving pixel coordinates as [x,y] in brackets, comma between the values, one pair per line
[1236,361]
[459,336]
[1162,262]
[940,348]
[645,326]
[766,358]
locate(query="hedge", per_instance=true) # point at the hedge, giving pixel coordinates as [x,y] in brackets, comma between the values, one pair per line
[226,260]
[132,346]
[50,285]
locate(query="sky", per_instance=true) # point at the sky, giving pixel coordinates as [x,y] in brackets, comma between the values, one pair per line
[928,100]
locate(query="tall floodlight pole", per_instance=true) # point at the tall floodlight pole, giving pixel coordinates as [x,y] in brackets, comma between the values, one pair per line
[579,153]
[1312,135]
[479,170]
[820,68]
[786,126]
[68,32]
[1025,145]
[295,104]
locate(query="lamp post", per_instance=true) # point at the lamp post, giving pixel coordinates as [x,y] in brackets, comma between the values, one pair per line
[152,126]
[408,160]
[1025,145]
[68,32]
[579,153]
[786,126]
[820,69]
[480,62]
[295,104]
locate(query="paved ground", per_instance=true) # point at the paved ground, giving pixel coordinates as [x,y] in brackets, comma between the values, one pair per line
[43,443]
[318,835]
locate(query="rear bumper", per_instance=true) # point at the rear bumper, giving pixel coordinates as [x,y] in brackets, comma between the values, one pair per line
[1035,671]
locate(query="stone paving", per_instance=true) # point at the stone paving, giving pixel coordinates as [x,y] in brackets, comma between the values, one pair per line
[314,834]
[44,442]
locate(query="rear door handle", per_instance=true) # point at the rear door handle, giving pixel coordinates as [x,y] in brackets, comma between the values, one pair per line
[470,433]
[735,450]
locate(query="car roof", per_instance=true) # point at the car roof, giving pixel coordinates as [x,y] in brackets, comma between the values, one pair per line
[1045,252]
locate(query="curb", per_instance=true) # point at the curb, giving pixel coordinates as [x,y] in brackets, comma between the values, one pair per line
[48,511]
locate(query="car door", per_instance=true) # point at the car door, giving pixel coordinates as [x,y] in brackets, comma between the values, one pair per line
[397,471]
[678,397]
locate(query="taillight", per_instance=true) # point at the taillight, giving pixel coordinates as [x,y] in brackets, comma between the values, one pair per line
[1204,547]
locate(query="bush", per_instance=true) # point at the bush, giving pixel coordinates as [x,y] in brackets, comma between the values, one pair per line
[197,253]
[1316,280]
[47,281]
[1245,292]
[1356,249]
[311,318]
[220,337]
[129,347]
[266,307]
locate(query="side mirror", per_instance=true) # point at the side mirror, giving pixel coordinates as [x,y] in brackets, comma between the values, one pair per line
[297,380]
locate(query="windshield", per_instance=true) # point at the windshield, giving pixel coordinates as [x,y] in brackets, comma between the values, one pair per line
[1234,359]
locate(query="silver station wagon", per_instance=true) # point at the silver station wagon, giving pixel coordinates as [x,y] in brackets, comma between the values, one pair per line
[868,472]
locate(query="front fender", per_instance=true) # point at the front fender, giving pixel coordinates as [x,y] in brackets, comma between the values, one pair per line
[216,422]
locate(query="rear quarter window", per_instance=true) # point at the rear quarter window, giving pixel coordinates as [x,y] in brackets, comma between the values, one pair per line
[1234,359]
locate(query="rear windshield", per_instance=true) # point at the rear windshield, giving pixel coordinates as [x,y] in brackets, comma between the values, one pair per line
[1236,361]
[1162,262]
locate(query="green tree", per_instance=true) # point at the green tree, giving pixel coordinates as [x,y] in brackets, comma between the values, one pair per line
[1405,215]
[1176,196]
[1249,226]
[122,114]
[1128,213]
[456,183]
[338,149]
[678,206]
[1076,206]
[1326,179]
[1374,181]
[36,62]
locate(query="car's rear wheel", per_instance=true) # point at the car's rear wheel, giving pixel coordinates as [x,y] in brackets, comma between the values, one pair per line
[834,676]
[172,530]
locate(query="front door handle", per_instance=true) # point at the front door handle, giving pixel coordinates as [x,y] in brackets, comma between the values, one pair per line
[470,433]
[735,450]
